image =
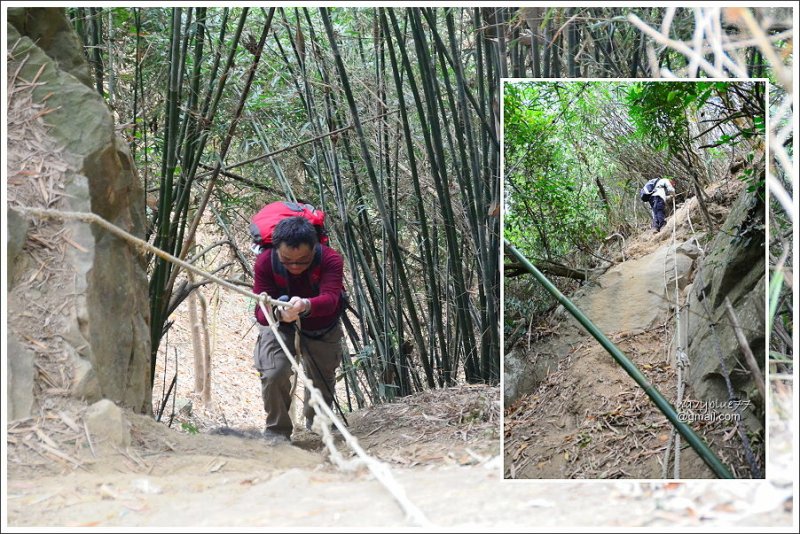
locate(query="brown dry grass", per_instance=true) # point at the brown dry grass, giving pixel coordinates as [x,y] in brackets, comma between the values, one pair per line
[37,170]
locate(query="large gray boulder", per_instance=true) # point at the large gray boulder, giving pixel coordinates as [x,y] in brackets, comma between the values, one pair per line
[108,315]
[734,267]
[632,295]
[526,367]
[50,30]
[523,371]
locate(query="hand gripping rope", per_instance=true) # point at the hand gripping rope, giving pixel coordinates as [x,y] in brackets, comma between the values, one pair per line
[325,416]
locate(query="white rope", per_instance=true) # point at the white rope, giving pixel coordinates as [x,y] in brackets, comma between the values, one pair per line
[140,243]
[755,470]
[680,355]
[681,358]
[742,435]
[380,470]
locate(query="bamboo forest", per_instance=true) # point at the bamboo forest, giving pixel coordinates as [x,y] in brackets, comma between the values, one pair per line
[353,266]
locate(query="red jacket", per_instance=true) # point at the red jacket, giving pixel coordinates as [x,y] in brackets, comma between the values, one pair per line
[322,283]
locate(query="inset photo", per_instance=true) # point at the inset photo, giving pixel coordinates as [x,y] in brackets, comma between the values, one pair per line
[634,279]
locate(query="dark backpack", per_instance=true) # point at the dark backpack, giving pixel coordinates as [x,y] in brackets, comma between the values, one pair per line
[647,190]
[263,223]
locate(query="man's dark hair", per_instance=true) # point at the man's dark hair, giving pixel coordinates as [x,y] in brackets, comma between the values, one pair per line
[294,231]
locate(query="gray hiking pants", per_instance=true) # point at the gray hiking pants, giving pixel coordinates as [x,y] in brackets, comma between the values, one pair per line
[322,353]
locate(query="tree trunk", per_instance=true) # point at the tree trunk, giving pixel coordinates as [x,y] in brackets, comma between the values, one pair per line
[97,61]
[572,45]
[197,338]
[112,80]
[554,269]
[533,18]
[206,342]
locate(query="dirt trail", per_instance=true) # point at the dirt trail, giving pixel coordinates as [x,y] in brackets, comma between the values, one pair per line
[172,479]
[471,497]
[169,478]
[588,418]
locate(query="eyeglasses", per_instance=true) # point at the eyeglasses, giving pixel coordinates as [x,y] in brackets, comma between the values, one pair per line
[295,263]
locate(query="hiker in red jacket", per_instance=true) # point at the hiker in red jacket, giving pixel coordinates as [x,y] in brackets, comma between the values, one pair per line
[298,268]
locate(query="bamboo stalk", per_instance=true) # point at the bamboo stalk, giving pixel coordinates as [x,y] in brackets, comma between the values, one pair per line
[373,181]
[454,258]
[94,17]
[158,295]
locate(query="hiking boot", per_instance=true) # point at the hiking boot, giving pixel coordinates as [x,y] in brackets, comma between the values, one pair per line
[275,438]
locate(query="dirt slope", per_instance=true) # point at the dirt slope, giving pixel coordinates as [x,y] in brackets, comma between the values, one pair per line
[588,418]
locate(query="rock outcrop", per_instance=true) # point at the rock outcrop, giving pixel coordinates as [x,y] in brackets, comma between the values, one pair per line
[50,31]
[107,426]
[631,296]
[104,324]
[734,266]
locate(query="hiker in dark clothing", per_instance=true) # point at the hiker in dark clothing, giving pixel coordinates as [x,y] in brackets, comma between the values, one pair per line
[311,276]
[658,199]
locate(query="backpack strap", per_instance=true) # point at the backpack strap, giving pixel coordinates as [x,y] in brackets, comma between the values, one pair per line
[279,272]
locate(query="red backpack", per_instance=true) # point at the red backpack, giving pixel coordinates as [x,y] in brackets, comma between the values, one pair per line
[263,223]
